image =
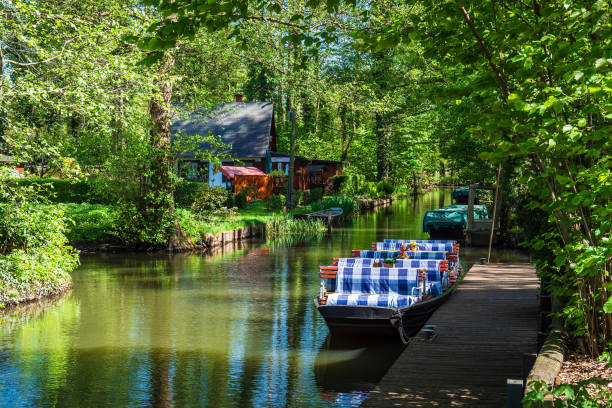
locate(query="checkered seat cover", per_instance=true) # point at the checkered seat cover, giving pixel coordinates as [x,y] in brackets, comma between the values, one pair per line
[419,241]
[399,281]
[395,246]
[395,254]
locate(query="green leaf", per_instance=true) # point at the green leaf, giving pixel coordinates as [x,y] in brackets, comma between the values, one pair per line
[607,307]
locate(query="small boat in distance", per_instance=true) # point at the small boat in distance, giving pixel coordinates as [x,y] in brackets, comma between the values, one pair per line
[388,295]
[326,215]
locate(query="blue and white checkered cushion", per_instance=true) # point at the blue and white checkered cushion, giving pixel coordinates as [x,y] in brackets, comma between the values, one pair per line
[395,254]
[395,246]
[349,278]
[376,280]
[430,265]
[420,241]
[360,299]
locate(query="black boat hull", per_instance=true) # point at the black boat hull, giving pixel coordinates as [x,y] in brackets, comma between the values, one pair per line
[381,321]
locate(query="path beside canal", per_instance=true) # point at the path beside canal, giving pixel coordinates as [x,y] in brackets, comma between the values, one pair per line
[481,333]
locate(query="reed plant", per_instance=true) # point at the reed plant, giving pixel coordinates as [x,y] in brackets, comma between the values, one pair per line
[294,230]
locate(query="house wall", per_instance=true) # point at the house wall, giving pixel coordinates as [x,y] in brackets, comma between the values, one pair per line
[258,187]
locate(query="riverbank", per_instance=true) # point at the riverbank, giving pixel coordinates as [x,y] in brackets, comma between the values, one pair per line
[93,228]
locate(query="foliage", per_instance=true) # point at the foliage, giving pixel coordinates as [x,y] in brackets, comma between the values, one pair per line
[316,194]
[209,200]
[35,259]
[276,202]
[384,188]
[571,395]
[302,197]
[91,223]
[185,192]
[338,182]
[348,204]
[66,190]
[240,200]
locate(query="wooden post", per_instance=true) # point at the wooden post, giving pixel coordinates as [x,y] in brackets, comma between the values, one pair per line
[495,199]
[515,393]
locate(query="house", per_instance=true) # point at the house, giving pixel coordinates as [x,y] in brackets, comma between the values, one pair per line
[249,129]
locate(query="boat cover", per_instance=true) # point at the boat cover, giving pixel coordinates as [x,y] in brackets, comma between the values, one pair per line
[400,263]
[463,192]
[361,299]
[400,281]
[394,254]
[367,273]
[424,241]
[452,217]
[381,246]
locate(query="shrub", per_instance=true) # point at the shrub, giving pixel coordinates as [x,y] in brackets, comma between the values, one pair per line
[338,182]
[369,189]
[276,202]
[316,194]
[302,197]
[239,200]
[186,192]
[348,204]
[67,191]
[35,259]
[208,200]
[384,188]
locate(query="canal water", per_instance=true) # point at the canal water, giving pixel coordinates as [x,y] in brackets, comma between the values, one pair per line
[230,330]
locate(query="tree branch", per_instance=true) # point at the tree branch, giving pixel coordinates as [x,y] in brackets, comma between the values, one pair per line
[498,73]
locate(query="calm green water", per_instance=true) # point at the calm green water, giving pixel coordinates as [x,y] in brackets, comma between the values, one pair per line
[236,329]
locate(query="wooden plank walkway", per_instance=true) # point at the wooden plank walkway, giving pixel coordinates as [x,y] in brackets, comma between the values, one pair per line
[482,332]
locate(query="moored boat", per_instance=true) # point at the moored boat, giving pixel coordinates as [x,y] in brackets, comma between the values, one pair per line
[366,295]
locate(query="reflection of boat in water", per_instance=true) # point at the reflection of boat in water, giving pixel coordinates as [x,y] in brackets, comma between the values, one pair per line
[386,301]
[347,368]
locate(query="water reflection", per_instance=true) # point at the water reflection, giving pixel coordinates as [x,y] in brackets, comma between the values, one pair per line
[235,329]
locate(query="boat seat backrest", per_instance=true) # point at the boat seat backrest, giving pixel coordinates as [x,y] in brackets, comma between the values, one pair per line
[419,241]
[396,246]
[429,264]
[395,254]
[399,281]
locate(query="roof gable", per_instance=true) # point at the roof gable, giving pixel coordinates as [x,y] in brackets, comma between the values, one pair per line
[245,126]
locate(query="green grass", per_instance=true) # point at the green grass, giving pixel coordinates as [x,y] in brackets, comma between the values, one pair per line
[93,223]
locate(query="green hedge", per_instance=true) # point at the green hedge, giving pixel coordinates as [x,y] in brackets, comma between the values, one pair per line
[68,191]
[186,192]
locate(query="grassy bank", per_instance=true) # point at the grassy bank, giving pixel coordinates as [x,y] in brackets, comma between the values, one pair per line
[95,223]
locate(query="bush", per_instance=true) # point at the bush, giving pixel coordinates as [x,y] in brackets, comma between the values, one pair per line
[276,202]
[370,189]
[208,200]
[302,197]
[186,192]
[239,200]
[338,182]
[348,204]
[35,259]
[384,188]
[67,191]
[316,194]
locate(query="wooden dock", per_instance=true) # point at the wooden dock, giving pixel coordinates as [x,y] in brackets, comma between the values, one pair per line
[481,334]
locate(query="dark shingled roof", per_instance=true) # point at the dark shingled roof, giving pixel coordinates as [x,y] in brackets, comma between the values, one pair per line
[246,126]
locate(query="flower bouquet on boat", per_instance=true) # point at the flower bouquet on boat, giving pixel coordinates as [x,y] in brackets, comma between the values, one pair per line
[389,289]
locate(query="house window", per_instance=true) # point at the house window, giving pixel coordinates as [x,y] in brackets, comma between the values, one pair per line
[193,171]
